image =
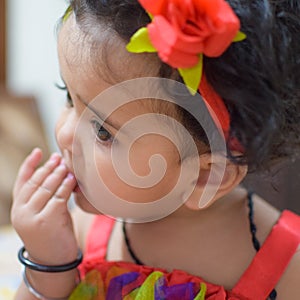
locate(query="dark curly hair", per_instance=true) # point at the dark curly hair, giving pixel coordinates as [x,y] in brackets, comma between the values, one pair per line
[258,79]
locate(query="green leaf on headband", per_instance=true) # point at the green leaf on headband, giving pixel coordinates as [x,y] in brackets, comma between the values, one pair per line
[192,76]
[240,36]
[140,42]
[67,14]
[150,16]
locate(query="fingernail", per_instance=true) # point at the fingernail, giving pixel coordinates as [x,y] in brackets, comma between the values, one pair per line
[54,157]
[35,150]
[70,176]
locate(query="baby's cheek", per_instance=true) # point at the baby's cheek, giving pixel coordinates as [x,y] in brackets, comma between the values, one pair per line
[106,189]
[142,181]
[84,203]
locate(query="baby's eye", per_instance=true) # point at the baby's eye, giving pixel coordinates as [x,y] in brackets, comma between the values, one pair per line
[101,133]
[69,99]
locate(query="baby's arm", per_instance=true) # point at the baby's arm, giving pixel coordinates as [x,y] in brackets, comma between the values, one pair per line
[41,218]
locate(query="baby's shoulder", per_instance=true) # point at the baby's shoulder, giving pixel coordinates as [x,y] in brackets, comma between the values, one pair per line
[288,286]
[267,217]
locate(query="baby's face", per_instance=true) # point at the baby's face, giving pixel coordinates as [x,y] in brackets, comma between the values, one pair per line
[120,151]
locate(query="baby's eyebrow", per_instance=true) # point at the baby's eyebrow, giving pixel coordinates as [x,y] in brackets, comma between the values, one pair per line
[99,114]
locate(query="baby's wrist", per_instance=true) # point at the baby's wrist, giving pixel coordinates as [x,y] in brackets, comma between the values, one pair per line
[33,264]
[49,282]
[51,286]
[50,257]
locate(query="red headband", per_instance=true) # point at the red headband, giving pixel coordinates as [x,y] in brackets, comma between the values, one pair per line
[215,105]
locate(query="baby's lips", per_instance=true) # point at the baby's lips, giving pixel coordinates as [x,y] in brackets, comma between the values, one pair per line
[77,188]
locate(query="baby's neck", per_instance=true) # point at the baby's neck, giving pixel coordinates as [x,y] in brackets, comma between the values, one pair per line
[224,205]
[205,221]
[189,240]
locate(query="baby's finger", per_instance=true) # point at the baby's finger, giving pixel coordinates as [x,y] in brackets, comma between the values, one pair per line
[61,196]
[48,188]
[27,169]
[33,183]
[65,190]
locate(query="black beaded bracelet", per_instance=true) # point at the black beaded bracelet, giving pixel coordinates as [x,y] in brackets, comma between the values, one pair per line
[50,269]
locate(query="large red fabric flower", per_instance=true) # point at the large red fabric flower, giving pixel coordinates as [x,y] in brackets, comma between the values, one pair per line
[183,29]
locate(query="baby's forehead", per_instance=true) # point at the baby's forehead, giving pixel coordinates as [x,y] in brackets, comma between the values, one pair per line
[97,46]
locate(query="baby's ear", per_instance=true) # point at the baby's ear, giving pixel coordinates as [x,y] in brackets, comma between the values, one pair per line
[217,177]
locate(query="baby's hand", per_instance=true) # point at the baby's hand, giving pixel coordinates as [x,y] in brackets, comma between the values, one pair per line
[40,214]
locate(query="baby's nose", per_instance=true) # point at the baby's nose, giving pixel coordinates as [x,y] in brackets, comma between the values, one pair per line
[65,132]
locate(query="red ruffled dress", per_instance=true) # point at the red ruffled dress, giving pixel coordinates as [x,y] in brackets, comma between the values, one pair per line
[129,281]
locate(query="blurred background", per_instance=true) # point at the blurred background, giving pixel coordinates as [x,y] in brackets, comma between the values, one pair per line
[30,104]
[29,100]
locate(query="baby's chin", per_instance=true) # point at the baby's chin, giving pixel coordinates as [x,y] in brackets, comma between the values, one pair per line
[83,203]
